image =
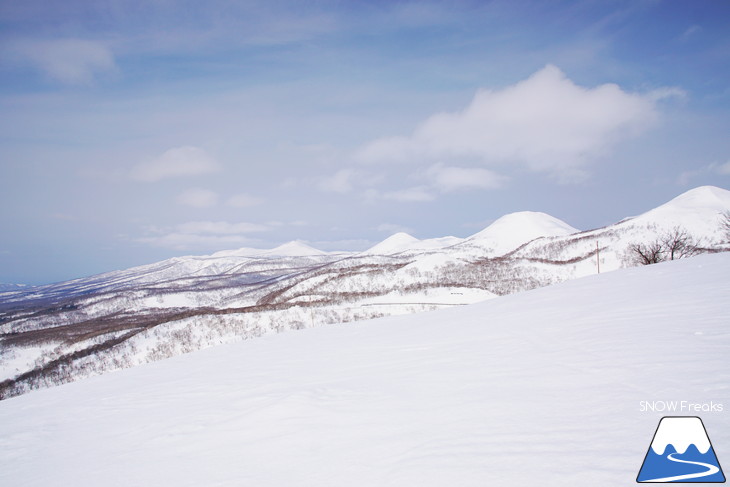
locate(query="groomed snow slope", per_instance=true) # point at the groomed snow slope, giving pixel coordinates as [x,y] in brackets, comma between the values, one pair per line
[541,388]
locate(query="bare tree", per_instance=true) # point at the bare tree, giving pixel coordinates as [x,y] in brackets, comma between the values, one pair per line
[645,254]
[678,243]
[725,224]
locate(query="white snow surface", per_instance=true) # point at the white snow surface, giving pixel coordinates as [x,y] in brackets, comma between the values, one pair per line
[540,388]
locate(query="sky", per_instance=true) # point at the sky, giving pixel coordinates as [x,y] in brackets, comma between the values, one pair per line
[133,131]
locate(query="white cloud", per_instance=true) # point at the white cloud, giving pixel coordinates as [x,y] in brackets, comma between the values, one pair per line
[723,169]
[64,216]
[220,228]
[449,178]
[666,92]
[69,61]
[347,180]
[187,241]
[415,194]
[687,177]
[243,201]
[339,182]
[198,198]
[203,235]
[546,123]
[440,178]
[178,162]
[691,31]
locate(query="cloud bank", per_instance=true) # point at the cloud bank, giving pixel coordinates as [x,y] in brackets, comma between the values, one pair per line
[545,123]
[68,61]
[204,235]
[178,162]
[243,200]
[198,198]
[450,178]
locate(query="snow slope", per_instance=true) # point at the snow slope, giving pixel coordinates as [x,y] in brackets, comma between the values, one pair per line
[540,388]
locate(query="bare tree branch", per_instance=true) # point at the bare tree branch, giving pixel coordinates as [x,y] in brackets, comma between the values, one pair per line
[678,244]
[725,223]
[645,254]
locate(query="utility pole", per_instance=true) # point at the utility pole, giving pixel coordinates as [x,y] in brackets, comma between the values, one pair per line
[598,258]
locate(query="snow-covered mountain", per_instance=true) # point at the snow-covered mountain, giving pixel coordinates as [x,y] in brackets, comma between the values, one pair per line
[84,327]
[402,242]
[511,231]
[289,249]
[394,244]
[537,388]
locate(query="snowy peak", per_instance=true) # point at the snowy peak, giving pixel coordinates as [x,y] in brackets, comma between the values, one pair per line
[531,224]
[515,229]
[704,197]
[294,248]
[392,245]
[698,211]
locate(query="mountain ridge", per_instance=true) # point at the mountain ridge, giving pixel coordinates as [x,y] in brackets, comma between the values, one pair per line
[56,333]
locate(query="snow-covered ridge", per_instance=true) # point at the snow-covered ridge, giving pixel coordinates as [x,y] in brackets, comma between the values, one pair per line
[132,316]
[397,242]
[402,242]
[290,249]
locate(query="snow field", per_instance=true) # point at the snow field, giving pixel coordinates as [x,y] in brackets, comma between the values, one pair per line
[538,388]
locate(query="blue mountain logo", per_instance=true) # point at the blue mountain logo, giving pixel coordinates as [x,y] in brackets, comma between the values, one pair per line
[681,452]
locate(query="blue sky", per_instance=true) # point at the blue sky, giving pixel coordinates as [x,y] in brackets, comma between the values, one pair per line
[134,131]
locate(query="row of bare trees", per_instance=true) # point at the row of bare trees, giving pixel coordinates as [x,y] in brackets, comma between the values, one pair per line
[675,244]
[678,243]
